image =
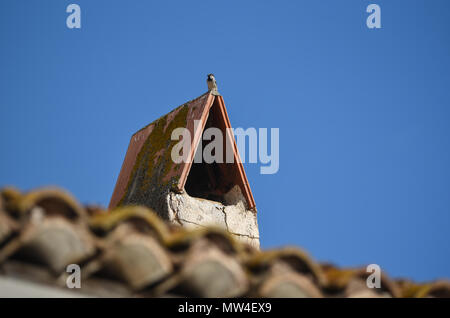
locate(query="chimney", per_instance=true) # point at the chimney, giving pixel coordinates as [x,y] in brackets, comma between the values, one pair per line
[191,193]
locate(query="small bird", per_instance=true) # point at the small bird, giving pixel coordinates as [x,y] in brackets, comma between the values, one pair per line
[212,84]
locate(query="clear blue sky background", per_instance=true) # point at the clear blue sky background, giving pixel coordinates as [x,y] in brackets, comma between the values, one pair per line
[363,114]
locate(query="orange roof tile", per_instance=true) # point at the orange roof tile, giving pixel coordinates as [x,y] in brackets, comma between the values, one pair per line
[132,252]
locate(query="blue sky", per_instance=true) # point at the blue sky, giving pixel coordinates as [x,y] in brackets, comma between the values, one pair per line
[363,114]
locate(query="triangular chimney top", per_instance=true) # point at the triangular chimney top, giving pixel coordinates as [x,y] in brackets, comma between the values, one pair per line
[148,172]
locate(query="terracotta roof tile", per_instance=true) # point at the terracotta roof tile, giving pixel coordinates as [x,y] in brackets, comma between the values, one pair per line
[438,288]
[130,251]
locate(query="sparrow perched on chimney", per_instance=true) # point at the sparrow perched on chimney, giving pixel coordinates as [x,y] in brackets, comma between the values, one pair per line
[212,84]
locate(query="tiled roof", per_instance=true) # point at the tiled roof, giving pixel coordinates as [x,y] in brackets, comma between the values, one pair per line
[130,251]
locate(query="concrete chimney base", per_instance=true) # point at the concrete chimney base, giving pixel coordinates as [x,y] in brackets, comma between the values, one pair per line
[231,215]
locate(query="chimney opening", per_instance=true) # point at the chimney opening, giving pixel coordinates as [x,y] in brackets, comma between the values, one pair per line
[212,181]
